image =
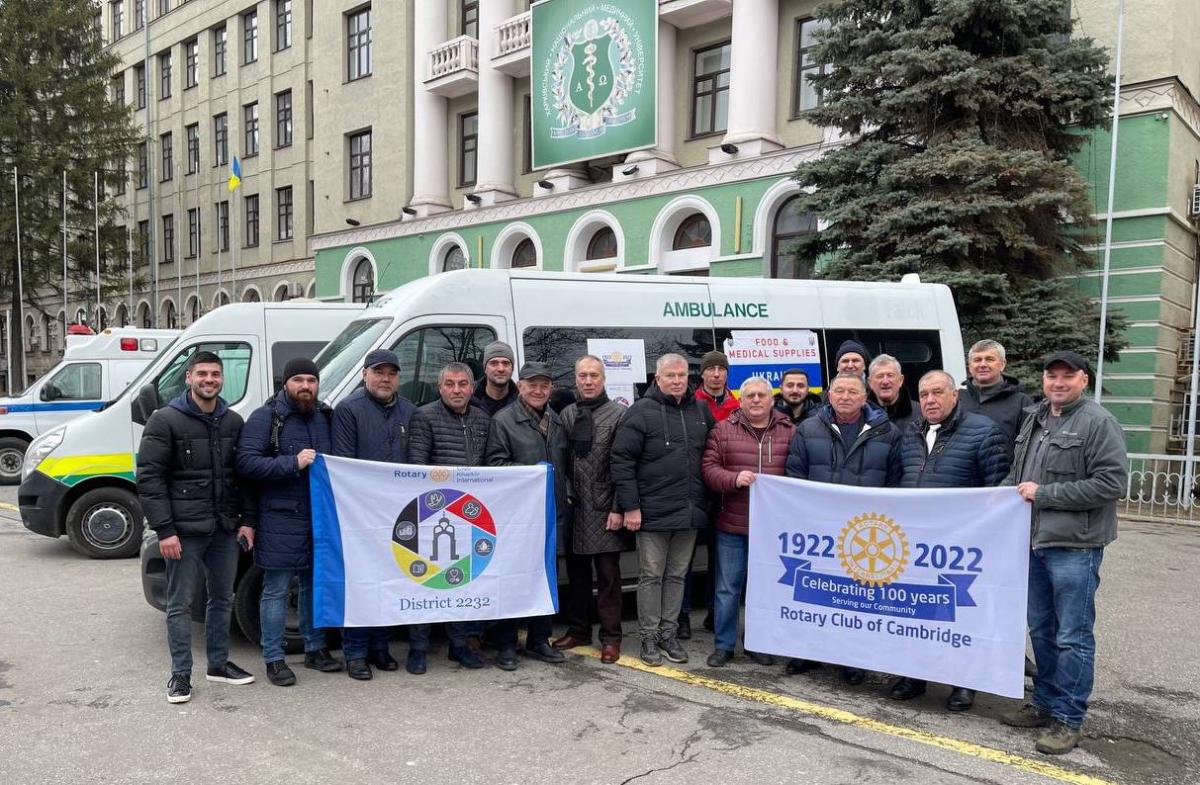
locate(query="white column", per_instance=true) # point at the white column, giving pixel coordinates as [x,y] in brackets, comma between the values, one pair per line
[430,156]
[754,76]
[661,157]
[496,164]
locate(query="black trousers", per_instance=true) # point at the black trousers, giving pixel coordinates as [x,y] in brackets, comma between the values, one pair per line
[577,607]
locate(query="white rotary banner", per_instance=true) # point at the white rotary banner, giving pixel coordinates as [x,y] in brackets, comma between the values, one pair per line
[929,584]
[400,544]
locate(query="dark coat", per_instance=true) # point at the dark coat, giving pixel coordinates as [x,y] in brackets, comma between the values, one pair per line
[591,482]
[491,406]
[283,540]
[968,453]
[720,411]
[902,413]
[817,452]
[515,440]
[185,475]
[366,429]
[733,447]
[441,437]
[656,459]
[1003,403]
[811,403]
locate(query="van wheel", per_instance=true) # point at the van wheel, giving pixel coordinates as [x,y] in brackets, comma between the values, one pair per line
[105,523]
[12,458]
[245,610]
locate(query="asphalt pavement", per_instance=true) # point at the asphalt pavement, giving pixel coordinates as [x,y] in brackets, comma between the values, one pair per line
[83,671]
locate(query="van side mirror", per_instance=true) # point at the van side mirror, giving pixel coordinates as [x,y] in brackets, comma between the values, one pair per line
[144,404]
[50,392]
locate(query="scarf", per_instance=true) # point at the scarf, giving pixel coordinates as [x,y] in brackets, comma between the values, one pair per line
[583,431]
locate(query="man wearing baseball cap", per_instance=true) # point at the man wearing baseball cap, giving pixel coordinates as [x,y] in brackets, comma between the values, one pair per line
[372,425]
[1070,464]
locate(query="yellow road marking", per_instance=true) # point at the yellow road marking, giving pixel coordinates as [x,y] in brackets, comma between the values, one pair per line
[10,507]
[850,718]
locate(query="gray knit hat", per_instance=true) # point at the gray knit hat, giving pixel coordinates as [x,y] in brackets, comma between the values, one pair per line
[498,349]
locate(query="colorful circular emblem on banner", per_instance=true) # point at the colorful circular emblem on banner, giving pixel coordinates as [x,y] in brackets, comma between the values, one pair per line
[873,549]
[444,539]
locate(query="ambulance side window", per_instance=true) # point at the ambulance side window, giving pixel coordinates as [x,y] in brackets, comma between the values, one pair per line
[235,359]
[76,382]
[424,352]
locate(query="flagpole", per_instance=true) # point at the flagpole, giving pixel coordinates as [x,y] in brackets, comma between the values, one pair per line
[20,277]
[64,228]
[178,269]
[218,254]
[230,221]
[129,254]
[96,213]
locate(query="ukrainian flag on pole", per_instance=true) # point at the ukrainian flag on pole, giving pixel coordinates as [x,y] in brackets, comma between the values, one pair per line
[235,174]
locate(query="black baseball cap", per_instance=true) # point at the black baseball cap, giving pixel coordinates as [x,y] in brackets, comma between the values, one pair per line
[531,370]
[1074,360]
[381,357]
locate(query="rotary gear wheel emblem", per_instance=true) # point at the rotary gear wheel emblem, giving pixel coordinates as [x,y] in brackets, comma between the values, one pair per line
[873,549]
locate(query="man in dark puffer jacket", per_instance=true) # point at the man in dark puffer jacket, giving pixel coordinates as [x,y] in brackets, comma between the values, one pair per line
[949,448]
[280,441]
[186,487]
[847,442]
[655,468]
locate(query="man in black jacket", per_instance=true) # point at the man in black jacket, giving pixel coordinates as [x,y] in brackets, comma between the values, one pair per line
[526,433]
[655,468]
[496,389]
[885,378]
[452,431]
[186,487]
[793,398]
[371,424]
[989,392]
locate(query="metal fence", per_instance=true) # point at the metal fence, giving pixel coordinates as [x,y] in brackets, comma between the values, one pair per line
[1162,488]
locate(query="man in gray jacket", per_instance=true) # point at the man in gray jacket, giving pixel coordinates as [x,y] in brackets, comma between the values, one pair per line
[1070,464]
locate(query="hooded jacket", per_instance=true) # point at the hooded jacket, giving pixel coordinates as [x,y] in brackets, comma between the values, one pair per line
[734,446]
[808,406]
[1004,403]
[185,469]
[968,452]
[656,458]
[873,461]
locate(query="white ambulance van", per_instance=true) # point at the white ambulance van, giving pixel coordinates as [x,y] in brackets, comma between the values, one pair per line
[94,369]
[78,477]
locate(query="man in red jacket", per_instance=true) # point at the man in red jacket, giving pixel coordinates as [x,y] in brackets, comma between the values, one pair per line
[753,440]
[714,375]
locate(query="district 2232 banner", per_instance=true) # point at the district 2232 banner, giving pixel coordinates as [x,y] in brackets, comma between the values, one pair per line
[929,584]
[400,544]
[593,79]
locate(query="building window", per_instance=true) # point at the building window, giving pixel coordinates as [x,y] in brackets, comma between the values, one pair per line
[139,14]
[525,254]
[163,7]
[710,90]
[143,230]
[454,259]
[283,24]
[249,37]
[143,164]
[168,233]
[806,95]
[360,165]
[222,226]
[118,19]
[468,148]
[283,213]
[250,130]
[121,177]
[191,74]
[164,73]
[193,148]
[168,156]
[252,221]
[283,119]
[470,18]
[139,78]
[221,138]
[193,232]
[220,41]
[603,245]
[789,226]
[118,89]
[363,282]
[358,44]
[694,232]
[172,317]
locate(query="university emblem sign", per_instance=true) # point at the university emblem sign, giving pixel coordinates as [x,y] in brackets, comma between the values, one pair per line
[593,79]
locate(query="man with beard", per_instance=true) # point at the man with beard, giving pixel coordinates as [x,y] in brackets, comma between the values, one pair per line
[793,399]
[372,425]
[280,441]
[187,491]
[496,389]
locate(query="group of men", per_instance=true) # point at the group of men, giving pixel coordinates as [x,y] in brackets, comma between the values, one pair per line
[655,476]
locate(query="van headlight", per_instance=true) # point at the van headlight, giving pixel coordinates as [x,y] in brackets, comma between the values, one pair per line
[40,448]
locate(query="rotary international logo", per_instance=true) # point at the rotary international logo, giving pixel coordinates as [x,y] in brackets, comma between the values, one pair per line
[444,538]
[873,549]
[440,474]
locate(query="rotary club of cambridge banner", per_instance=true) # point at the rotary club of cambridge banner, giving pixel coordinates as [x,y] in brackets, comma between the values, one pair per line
[929,584]
[593,79]
[398,544]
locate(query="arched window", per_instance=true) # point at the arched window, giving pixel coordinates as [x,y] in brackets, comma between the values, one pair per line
[171,317]
[694,232]
[123,315]
[144,317]
[30,335]
[223,299]
[48,332]
[789,226]
[525,254]
[603,245]
[363,282]
[81,317]
[102,318]
[281,293]
[251,296]
[454,259]
[195,309]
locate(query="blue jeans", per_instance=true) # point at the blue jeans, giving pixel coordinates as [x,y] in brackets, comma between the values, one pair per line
[357,642]
[1062,615]
[272,612]
[216,556]
[732,550]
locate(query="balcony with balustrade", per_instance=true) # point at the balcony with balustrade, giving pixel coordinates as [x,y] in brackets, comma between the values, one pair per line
[514,41]
[454,67]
